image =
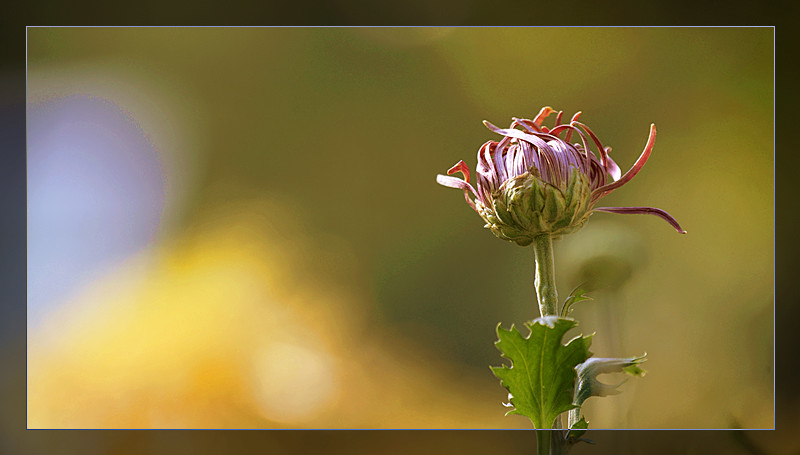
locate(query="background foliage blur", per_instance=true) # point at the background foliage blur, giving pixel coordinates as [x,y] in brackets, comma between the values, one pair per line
[240,228]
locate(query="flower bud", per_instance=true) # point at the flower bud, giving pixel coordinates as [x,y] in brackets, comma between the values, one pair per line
[535,182]
[526,206]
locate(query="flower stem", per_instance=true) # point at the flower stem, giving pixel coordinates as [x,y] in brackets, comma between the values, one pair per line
[545,283]
[545,278]
[542,442]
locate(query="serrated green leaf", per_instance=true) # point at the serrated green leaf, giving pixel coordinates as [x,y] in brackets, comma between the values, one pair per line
[589,386]
[577,295]
[541,378]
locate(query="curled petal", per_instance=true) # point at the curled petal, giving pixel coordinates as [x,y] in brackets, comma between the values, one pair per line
[587,154]
[603,190]
[517,134]
[486,166]
[644,210]
[612,167]
[527,124]
[573,120]
[603,150]
[461,167]
[492,127]
[547,110]
[499,163]
[454,182]
[484,189]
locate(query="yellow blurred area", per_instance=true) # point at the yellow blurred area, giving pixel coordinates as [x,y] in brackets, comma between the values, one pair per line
[222,330]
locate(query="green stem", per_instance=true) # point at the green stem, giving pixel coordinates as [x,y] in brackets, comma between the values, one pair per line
[545,278]
[545,283]
[542,442]
[558,445]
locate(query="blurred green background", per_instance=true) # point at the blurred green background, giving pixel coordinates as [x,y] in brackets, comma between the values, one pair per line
[330,282]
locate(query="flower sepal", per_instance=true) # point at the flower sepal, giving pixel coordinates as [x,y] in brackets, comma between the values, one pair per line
[526,206]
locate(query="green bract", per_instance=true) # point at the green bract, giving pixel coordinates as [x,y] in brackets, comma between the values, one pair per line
[526,206]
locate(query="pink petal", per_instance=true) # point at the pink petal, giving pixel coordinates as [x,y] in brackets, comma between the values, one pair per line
[461,167]
[486,164]
[547,110]
[492,127]
[603,190]
[484,189]
[454,182]
[603,151]
[527,124]
[517,134]
[499,159]
[570,128]
[646,211]
[613,169]
[574,119]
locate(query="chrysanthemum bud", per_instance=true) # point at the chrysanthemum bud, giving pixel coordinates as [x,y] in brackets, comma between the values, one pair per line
[534,182]
[526,206]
